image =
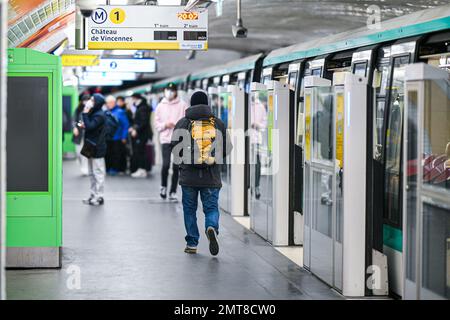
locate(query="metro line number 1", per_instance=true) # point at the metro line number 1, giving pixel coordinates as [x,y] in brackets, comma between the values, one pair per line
[117,16]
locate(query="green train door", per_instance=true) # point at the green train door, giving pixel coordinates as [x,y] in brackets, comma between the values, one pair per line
[34,160]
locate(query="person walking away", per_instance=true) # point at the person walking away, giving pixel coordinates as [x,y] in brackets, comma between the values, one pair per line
[168,112]
[78,134]
[95,147]
[203,136]
[140,132]
[116,147]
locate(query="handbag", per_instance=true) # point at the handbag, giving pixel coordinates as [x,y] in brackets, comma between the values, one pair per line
[89,149]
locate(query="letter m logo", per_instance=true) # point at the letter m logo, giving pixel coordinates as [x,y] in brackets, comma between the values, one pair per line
[99,16]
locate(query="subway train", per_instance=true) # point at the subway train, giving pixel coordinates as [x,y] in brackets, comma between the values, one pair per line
[292,90]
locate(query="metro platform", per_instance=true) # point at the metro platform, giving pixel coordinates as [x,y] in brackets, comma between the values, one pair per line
[132,248]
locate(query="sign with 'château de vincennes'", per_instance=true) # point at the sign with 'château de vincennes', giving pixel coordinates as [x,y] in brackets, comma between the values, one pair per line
[147,28]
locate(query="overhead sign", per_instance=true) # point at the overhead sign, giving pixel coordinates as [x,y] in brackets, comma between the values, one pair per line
[147,65]
[147,28]
[99,83]
[125,76]
[79,60]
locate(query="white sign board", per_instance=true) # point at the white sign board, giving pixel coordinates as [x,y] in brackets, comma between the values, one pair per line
[101,83]
[147,65]
[125,76]
[147,28]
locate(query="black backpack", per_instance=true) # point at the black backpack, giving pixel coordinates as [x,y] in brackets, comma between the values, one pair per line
[111,125]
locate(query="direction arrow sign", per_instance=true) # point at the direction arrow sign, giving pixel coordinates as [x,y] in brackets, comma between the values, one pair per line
[147,28]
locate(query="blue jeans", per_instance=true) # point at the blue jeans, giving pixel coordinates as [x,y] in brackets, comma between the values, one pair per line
[210,201]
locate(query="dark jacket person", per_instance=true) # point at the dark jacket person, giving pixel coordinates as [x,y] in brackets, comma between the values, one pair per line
[195,180]
[94,124]
[140,132]
[94,121]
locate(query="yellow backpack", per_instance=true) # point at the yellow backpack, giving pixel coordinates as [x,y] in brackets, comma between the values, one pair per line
[203,133]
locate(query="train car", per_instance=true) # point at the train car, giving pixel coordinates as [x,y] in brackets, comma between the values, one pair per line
[380,56]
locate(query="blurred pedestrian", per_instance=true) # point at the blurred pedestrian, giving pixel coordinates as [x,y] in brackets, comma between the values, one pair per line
[94,147]
[78,134]
[140,132]
[116,148]
[168,112]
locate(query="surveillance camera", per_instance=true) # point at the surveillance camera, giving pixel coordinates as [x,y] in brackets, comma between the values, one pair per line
[198,4]
[87,7]
[239,31]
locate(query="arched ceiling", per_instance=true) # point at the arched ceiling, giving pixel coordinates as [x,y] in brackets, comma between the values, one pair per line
[278,23]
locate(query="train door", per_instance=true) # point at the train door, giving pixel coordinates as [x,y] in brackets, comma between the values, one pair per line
[388,81]
[335,198]
[319,170]
[269,174]
[225,102]
[426,197]
[236,161]
[296,176]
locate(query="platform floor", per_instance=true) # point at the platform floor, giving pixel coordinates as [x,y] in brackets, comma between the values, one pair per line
[132,248]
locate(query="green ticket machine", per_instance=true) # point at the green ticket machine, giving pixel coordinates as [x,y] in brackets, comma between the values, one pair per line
[69,104]
[34,160]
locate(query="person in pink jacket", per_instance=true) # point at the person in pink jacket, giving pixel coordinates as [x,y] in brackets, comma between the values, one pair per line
[168,112]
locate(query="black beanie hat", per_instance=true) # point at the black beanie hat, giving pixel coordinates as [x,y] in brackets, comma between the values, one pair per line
[99,100]
[199,97]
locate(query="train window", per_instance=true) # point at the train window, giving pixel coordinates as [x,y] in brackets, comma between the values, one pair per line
[322,125]
[436,135]
[266,79]
[300,124]
[292,81]
[394,142]
[378,130]
[380,82]
[316,72]
[360,69]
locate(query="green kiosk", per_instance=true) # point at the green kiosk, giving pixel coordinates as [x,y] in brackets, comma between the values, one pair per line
[69,105]
[34,160]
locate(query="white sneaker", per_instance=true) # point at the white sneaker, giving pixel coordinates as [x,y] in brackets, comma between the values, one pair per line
[140,173]
[173,197]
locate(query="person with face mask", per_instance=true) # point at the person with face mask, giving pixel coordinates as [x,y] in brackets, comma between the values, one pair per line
[168,112]
[140,132]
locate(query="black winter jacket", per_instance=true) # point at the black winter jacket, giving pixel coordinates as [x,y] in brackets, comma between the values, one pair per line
[141,122]
[94,123]
[191,176]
